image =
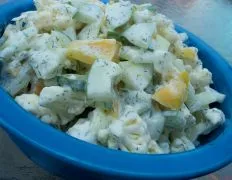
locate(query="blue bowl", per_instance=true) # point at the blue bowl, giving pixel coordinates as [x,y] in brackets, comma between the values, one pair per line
[72,158]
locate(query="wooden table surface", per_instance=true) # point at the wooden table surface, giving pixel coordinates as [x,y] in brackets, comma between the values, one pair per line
[210,20]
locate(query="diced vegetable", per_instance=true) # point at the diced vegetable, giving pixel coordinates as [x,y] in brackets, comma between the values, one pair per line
[130,134]
[87,129]
[102,71]
[160,43]
[30,102]
[59,39]
[200,77]
[211,119]
[55,15]
[169,33]
[163,62]
[70,32]
[155,123]
[47,64]
[41,42]
[14,84]
[63,101]
[74,81]
[88,13]
[88,51]
[189,53]
[142,16]
[141,34]
[216,118]
[91,31]
[201,100]
[136,55]
[17,42]
[164,142]
[181,144]
[139,100]
[136,76]
[118,14]
[118,37]
[172,94]
[179,120]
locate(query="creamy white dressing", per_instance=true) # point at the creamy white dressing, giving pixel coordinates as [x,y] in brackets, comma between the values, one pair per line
[120,87]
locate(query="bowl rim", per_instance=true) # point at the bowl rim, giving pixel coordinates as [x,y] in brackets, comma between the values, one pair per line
[95,158]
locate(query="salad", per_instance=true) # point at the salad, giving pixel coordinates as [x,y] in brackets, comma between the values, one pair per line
[116,75]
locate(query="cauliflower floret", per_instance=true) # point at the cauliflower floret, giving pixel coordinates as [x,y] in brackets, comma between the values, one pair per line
[143,14]
[30,102]
[162,21]
[201,100]
[54,14]
[130,133]
[62,100]
[211,119]
[215,116]
[180,142]
[200,77]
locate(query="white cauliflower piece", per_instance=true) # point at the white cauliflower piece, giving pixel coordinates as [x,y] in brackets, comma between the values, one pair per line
[201,100]
[30,102]
[130,133]
[142,15]
[180,144]
[54,15]
[212,118]
[200,77]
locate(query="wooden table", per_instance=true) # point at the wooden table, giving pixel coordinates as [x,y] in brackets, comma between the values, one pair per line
[210,20]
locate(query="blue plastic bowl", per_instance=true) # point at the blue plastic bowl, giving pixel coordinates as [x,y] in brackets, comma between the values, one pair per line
[72,158]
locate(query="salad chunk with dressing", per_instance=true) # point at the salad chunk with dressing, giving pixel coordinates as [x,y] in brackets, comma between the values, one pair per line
[116,75]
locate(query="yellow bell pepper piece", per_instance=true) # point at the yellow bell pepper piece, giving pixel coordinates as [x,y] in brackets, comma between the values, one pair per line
[189,53]
[184,76]
[87,51]
[173,94]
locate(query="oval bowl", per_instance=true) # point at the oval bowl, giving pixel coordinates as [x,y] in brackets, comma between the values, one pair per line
[72,158]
